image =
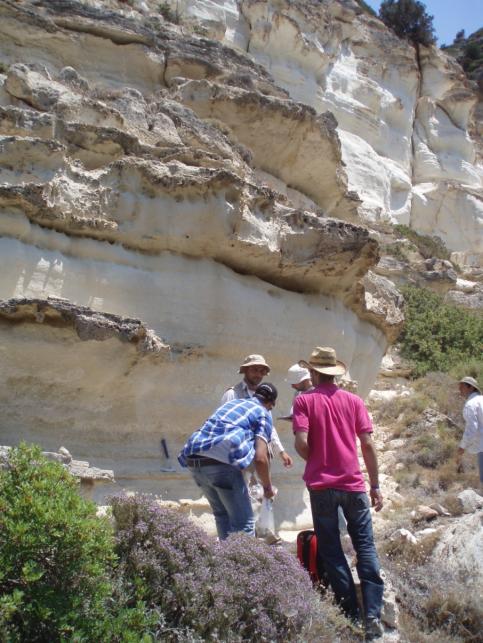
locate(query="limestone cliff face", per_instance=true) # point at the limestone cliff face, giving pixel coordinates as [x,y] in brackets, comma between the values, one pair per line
[171,201]
[406,119]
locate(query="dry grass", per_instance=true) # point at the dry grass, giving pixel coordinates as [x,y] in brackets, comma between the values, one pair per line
[430,445]
[411,627]
[405,552]
[442,390]
[400,413]
[433,607]
[331,625]
[460,614]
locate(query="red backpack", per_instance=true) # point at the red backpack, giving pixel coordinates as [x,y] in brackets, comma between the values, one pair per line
[307,555]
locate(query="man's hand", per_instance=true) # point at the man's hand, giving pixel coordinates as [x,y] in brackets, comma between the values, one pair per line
[270,492]
[286,459]
[376,499]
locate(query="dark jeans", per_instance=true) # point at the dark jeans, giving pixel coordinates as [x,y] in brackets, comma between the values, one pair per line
[356,508]
[226,491]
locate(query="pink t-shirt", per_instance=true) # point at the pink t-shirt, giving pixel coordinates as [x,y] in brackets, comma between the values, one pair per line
[332,418]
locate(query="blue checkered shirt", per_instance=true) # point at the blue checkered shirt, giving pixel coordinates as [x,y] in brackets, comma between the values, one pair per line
[229,434]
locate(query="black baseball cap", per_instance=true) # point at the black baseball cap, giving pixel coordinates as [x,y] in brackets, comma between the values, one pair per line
[266,392]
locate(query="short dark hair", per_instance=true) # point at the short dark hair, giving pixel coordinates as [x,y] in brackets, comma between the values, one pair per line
[266,392]
[323,377]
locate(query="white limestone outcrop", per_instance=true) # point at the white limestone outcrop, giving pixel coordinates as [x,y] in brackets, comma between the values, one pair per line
[460,549]
[405,120]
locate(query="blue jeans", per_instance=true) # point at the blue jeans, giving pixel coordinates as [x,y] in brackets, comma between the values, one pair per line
[356,508]
[480,465]
[227,493]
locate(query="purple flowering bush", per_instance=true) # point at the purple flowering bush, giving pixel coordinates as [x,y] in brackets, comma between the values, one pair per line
[261,591]
[164,557]
[237,590]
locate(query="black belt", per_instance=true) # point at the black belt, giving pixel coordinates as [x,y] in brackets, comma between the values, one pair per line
[194,462]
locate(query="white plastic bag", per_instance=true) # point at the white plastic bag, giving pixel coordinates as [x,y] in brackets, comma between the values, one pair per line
[255,491]
[266,521]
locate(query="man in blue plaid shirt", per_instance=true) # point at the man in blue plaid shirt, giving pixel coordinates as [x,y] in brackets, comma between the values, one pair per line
[236,435]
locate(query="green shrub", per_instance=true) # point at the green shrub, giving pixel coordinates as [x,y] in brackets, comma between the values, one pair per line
[426,245]
[396,250]
[367,8]
[437,336]
[472,367]
[169,14]
[434,449]
[409,20]
[55,554]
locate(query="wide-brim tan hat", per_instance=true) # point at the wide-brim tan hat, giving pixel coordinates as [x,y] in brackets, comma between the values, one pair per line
[472,382]
[254,360]
[324,360]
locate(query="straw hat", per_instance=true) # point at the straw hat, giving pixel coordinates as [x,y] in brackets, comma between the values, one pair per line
[324,360]
[254,360]
[297,374]
[472,382]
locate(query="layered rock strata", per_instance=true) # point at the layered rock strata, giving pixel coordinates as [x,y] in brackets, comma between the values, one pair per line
[407,120]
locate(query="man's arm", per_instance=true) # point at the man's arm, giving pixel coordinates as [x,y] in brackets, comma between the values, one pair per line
[300,426]
[280,449]
[370,460]
[262,467]
[301,444]
[228,396]
[471,427]
[471,430]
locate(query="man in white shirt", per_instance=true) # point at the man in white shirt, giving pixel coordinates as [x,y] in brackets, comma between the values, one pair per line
[254,368]
[472,440]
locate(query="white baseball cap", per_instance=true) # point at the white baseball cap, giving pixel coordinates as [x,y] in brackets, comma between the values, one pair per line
[297,374]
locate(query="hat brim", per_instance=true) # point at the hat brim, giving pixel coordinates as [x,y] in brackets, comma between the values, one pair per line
[291,382]
[463,381]
[244,366]
[339,369]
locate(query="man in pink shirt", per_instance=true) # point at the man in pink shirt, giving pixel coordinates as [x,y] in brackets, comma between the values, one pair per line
[326,423]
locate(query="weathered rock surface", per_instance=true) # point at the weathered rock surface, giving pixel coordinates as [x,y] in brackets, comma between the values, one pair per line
[436,274]
[87,323]
[89,476]
[311,163]
[404,123]
[460,549]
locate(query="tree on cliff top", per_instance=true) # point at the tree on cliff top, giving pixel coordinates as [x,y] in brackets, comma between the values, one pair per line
[409,20]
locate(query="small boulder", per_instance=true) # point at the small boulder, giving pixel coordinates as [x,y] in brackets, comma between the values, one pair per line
[470,501]
[442,511]
[423,512]
[403,536]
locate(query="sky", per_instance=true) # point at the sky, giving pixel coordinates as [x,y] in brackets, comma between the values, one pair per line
[450,16]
